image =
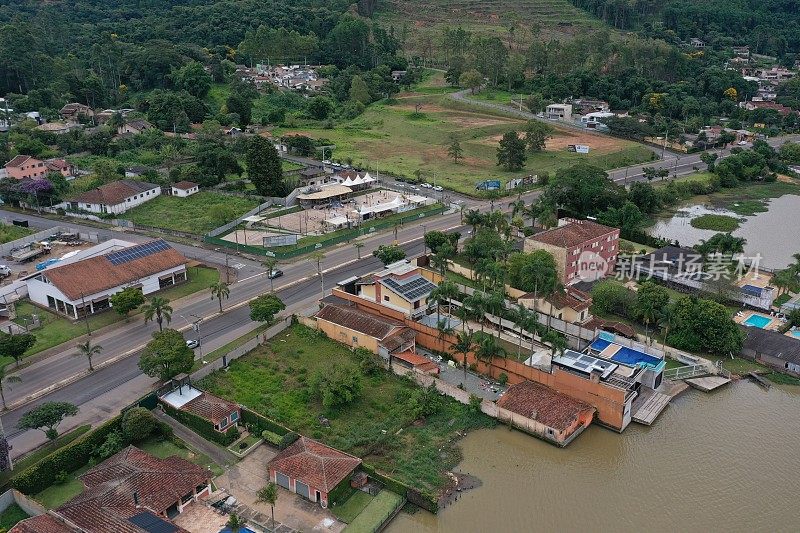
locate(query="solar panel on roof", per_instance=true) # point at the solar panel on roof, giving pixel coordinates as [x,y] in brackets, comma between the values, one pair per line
[152,523]
[137,252]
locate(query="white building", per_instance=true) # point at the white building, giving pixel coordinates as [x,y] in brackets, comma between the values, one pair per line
[595,119]
[559,112]
[116,197]
[184,188]
[83,287]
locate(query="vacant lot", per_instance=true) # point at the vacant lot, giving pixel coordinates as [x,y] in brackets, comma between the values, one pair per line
[198,213]
[273,380]
[12,233]
[399,140]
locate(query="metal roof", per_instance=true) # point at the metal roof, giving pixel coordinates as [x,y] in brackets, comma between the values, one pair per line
[412,289]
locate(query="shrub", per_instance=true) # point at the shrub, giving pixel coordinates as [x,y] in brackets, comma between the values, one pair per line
[114,442]
[288,439]
[475,403]
[502,378]
[251,418]
[138,424]
[61,477]
[272,438]
[67,459]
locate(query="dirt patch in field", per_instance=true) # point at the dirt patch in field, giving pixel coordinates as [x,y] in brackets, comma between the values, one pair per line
[562,139]
[786,179]
[426,108]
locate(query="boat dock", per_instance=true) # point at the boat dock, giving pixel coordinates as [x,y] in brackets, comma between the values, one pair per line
[648,406]
[708,383]
[761,380]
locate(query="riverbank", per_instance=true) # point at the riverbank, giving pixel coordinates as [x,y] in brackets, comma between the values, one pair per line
[705,466]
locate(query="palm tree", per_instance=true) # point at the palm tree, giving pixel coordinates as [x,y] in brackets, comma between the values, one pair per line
[796,265]
[269,495]
[649,312]
[358,247]
[465,343]
[234,523]
[666,319]
[444,328]
[556,340]
[4,379]
[270,265]
[488,348]
[449,291]
[160,309]
[475,218]
[496,304]
[89,351]
[478,305]
[524,319]
[220,290]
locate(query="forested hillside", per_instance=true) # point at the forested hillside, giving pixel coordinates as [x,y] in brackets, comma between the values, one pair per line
[768,26]
[135,44]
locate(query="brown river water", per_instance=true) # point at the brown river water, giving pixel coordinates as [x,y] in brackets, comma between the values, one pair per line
[724,461]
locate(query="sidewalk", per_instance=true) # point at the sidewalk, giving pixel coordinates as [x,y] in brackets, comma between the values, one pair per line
[217,454]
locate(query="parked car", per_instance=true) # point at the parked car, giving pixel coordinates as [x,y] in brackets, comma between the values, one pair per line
[426,185]
[192,344]
[275,273]
[414,188]
[438,188]
[4,271]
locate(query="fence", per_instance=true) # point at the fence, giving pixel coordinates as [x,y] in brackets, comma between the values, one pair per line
[29,505]
[346,235]
[684,372]
[6,249]
[230,225]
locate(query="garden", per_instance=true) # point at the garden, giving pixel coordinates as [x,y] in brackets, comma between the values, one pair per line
[399,428]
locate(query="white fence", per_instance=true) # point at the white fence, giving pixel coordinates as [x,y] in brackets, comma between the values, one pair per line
[5,249]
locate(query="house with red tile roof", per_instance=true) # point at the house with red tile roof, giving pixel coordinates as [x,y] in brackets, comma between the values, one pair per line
[357,328]
[222,413]
[312,469]
[25,166]
[581,248]
[184,188]
[568,304]
[116,197]
[544,412]
[130,492]
[84,287]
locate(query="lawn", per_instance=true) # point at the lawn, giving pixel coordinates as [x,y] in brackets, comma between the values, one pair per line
[169,447]
[290,165]
[198,214]
[56,495]
[350,509]
[377,426]
[12,233]
[401,142]
[243,444]
[374,513]
[782,299]
[714,222]
[57,329]
[11,516]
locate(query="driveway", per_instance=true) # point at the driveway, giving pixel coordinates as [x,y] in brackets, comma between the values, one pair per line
[244,479]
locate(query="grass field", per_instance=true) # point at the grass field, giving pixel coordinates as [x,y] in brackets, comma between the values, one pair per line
[350,509]
[374,513]
[417,21]
[12,233]
[55,495]
[167,448]
[197,214]
[274,380]
[401,141]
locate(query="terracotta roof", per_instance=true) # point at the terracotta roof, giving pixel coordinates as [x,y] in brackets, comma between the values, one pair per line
[572,298]
[45,523]
[18,161]
[315,464]
[139,124]
[108,503]
[185,185]
[398,339]
[210,407]
[57,164]
[417,361]
[609,325]
[97,274]
[351,318]
[573,233]
[543,404]
[114,193]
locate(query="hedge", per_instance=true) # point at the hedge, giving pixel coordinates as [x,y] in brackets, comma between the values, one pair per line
[262,423]
[340,492]
[201,426]
[425,500]
[67,459]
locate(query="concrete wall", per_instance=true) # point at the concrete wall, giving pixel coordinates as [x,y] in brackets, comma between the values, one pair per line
[29,505]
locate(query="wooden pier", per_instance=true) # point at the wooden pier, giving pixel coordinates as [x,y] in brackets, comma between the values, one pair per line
[708,383]
[648,406]
[761,380]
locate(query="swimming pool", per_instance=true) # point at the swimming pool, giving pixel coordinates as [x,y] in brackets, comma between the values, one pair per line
[627,356]
[796,333]
[757,321]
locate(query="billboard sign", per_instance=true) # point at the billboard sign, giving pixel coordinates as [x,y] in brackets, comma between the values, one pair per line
[488,185]
[582,148]
[279,240]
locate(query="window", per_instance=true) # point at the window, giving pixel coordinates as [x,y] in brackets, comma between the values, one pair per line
[223,422]
[386,298]
[234,416]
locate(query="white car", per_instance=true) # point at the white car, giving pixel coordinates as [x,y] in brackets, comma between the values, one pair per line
[414,188]
[192,344]
[4,271]
[426,186]
[742,143]
[438,188]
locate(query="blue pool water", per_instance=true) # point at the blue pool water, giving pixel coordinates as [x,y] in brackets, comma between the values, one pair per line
[627,356]
[757,321]
[796,334]
[241,530]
